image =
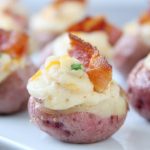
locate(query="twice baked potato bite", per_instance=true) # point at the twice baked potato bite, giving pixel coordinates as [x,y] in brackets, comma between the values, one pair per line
[12,16]
[139,87]
[73,97]
[55,18]
[15,69]
[133,45]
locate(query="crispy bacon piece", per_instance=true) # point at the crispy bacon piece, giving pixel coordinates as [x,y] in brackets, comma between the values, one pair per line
[145,18]
[81,50]
[99,23]
[99,72]
[15,43]
[97,67]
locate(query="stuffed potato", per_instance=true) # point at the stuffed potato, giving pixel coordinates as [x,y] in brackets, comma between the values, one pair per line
[73,97]
[139,87]
[133,45]
[15,69]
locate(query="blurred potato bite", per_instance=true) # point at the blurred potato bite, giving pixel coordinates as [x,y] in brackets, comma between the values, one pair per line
[15,69]
[77,86]
[139,87]
[133,45]
[55,18]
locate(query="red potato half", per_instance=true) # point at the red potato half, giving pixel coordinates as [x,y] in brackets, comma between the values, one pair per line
[79,124]
[13,93]
[128,51]
[75,127]
[139,89]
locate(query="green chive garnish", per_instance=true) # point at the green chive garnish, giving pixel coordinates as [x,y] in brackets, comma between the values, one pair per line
[76,66]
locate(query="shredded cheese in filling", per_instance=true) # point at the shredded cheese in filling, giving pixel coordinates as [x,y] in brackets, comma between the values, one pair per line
[57,19]
[63,84]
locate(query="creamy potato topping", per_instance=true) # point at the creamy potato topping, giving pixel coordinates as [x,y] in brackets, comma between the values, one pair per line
[7,22]
[57,19]
[134,28]
[8,10]
[9,65]
[147,62]
[63,84]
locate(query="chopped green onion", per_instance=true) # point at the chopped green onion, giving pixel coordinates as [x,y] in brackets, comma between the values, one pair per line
[76,66]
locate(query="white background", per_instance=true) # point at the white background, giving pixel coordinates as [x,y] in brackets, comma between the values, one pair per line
[119,11]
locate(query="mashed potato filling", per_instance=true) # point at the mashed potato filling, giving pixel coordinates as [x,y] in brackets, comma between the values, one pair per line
[8,23]
[147,62]
[9,65]
[7,20]
[135,28]
[57,19]
[62,84]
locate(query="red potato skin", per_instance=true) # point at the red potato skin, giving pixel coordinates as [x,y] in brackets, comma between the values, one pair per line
[139,90]
[127,52]
[76,127]
[13,92]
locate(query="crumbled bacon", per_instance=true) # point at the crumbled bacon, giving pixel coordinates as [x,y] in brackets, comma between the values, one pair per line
[145,18]
[97,67]
[91,24]
[99,72]
[81,50]
[14,43]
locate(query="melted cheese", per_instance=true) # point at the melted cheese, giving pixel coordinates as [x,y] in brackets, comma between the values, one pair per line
[57,19]
[61,88]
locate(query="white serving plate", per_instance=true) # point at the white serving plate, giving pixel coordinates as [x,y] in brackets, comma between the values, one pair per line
[18,133]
